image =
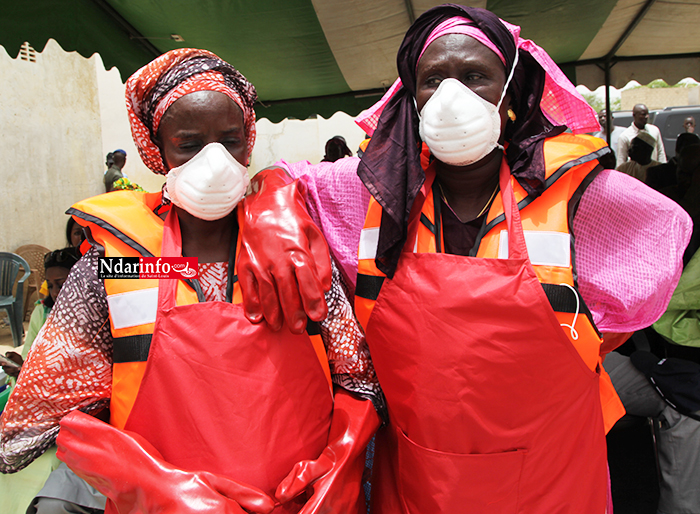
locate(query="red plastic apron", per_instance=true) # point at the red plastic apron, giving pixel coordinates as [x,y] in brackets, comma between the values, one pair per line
[223,395]
[492,410]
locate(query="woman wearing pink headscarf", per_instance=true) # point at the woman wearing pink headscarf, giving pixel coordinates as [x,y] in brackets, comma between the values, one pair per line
[497,262]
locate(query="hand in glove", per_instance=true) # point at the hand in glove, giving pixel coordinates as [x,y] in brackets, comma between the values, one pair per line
[284,267]
[333,481]
[131,472]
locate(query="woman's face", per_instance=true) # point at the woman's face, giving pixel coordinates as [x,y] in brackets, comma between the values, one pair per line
[463,58]
[197,119]
[55,277]
[76,235]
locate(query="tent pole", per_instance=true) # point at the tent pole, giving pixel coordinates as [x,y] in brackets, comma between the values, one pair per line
[608,113]
[126,26]
[409,11]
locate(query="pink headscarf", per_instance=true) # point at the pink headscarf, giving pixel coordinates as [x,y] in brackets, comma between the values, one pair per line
[561,103]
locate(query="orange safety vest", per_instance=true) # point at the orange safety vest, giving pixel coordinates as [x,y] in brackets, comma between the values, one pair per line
[125,224]
[570,166]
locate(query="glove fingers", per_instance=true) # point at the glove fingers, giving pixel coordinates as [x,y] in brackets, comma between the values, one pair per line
[249,289]
[312,294]
[291,301]
[302,476]
[270,302]
[250,498]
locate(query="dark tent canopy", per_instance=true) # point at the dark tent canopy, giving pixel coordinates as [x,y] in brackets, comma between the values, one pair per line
[311,57]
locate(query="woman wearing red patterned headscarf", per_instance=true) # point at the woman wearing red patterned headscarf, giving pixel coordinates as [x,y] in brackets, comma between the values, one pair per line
[207,413]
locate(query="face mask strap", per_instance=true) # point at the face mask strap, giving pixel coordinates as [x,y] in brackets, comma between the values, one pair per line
[510,77]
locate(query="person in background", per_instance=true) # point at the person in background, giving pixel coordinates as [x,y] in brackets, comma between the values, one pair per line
[689,125]
[57,265]
[686,192]
[363,146]
[640,115]
[614,133]
[640,152]
[678,435]
[108,161]
[114,172]
[336,148]
[74,233]
[664,175]
[74,237]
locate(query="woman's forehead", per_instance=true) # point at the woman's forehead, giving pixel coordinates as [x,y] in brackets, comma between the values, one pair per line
[202,107]
[453,48]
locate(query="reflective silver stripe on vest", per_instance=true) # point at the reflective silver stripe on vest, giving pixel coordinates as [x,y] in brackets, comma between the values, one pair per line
[133,308]
[369,238]
[544,248]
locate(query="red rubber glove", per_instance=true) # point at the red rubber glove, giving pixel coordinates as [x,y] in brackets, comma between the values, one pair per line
[334,480]
[131,472]
[284,267]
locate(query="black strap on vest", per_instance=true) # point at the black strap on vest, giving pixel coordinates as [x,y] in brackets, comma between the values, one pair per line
[562,299]
[368,286]
[131,348]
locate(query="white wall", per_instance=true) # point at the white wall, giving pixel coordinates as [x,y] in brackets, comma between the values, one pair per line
[62,114]
[297,140]
[50,149]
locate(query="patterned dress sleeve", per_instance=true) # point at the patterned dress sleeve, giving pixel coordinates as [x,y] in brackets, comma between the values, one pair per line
[68,367]
[348,354]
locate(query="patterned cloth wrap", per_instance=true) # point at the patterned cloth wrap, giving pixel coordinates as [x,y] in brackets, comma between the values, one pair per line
[156,86]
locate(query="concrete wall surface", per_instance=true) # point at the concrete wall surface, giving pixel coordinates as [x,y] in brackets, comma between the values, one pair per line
[659,98]
[63,113]
[50,147]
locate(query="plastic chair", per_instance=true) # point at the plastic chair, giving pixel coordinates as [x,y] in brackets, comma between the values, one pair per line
[13,303]
[34,255]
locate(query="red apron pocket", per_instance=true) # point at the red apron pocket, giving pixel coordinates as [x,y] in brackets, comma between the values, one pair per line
[467,483]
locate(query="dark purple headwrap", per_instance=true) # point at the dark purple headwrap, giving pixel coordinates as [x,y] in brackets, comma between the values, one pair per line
[391,169]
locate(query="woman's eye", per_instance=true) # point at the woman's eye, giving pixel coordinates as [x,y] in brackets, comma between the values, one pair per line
[187,147]
[433,81]
[231,143]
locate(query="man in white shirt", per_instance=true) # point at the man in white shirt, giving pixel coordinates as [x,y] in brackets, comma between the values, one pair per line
[614,133]
[640,115]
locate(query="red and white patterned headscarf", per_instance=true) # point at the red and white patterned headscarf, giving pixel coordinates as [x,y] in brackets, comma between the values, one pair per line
[156,86]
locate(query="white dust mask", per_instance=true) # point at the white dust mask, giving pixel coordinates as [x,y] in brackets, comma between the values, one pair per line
[458,125]
[210,184]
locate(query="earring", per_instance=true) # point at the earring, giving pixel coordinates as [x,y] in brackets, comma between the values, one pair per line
[511,115]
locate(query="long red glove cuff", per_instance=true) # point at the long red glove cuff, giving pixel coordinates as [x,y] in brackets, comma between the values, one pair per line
[284,266]
[272,177]
[131,472]
[342,462]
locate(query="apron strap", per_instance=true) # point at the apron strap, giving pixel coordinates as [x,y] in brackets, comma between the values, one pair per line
[516,238]
[436,229]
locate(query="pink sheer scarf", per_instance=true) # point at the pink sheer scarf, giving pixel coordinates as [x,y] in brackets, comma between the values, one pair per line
[561,103]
